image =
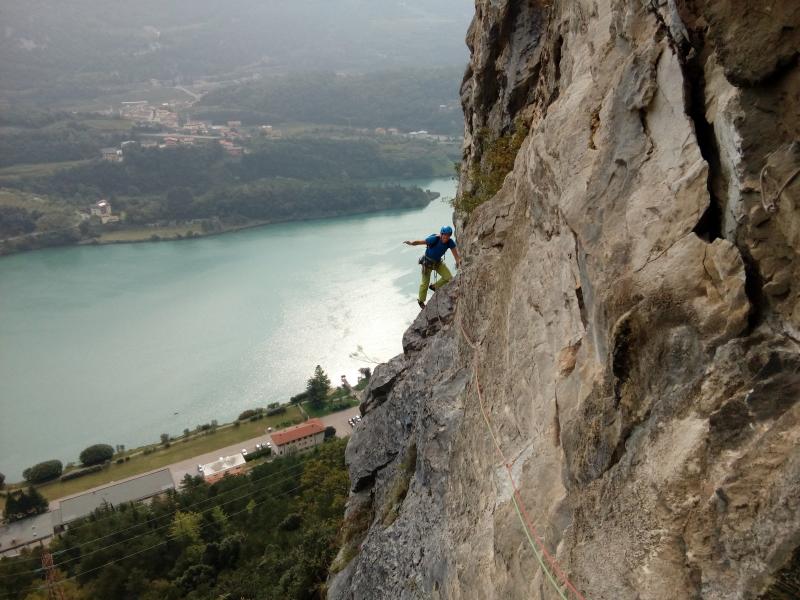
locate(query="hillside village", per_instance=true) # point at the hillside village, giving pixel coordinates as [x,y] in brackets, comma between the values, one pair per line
[173,130]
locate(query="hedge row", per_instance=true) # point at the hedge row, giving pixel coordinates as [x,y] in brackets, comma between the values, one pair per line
[81,472]
[257,454]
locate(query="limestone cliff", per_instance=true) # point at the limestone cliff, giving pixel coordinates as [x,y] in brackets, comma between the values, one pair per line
[633,292]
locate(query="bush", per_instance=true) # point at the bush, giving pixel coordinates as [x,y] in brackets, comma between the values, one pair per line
[44,471]
[257,454]
[330,432]
[2,480]
[291,522]
[279,410]
[496,161]
[248,414]
[94,455]
[81,472]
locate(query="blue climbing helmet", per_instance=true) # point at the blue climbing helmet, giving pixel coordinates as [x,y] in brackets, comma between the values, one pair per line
[446,230]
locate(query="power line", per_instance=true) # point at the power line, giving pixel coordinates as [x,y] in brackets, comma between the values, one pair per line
[88,522]
[161,543]
[109,516]
[204,511]
[297,467]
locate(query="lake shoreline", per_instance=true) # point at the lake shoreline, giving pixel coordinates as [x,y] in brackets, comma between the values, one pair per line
[146,235]
[131,340]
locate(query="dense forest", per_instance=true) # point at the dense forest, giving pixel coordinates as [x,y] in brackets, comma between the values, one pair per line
[270,534]
[156,171]
[410,100]
[64,140]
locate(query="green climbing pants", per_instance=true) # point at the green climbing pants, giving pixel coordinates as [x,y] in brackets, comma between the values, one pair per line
[443,272]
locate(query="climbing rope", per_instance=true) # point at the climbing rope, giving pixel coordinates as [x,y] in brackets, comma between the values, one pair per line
[536,543]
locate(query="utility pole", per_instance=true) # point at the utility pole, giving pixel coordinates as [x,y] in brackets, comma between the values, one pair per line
[54,591]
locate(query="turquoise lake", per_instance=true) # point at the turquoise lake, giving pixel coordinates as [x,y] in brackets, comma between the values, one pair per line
[118,344]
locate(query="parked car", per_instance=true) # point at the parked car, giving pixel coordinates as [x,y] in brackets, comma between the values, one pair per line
[244,451]
[199,468]
[258,446]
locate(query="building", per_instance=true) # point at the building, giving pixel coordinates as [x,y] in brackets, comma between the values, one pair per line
[227,465]
[131,490]
[102,209]
[298,438]
[111,154]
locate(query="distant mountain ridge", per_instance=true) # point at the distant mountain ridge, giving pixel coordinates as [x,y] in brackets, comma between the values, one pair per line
[93,42]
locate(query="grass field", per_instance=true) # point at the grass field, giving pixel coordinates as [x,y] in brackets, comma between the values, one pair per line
[179,450]
[338,403]
[38,169]
[110,125]
[21,199]
[141,234]
[153,95]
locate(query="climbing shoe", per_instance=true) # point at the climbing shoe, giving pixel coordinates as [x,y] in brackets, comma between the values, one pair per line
[421,303]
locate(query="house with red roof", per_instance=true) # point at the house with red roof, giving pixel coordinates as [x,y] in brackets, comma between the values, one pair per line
[298,438]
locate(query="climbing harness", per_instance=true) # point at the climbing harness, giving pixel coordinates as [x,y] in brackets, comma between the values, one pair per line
[427,262]
[537,545]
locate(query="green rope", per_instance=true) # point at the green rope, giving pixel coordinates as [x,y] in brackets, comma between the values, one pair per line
[536,552]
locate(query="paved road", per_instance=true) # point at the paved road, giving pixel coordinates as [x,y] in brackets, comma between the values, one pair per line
[180,469]
[32,529]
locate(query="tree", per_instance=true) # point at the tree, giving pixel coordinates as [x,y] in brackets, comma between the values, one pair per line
[330,432]
[179,202]
[97,454]
[318,387]
[165,438]
[21,504]
[43,471]
[2,481]
[186,527]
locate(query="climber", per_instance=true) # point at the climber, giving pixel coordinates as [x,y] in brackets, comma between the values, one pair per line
[431,261]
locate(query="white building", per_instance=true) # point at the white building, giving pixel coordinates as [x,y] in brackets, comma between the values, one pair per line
[225,465]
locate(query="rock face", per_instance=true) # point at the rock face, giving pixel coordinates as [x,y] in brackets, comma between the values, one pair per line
[634,296]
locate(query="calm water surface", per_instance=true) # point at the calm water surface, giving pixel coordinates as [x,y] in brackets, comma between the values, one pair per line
[119,344]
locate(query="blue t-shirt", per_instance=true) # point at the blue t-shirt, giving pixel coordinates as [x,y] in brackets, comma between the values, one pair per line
[436,247]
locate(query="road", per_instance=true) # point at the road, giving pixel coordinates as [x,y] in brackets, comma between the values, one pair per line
[180,469]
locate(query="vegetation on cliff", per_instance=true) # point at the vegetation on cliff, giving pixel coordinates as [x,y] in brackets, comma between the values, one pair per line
[485,176]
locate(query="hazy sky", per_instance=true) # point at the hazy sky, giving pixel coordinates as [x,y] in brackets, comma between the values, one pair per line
[48,42]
